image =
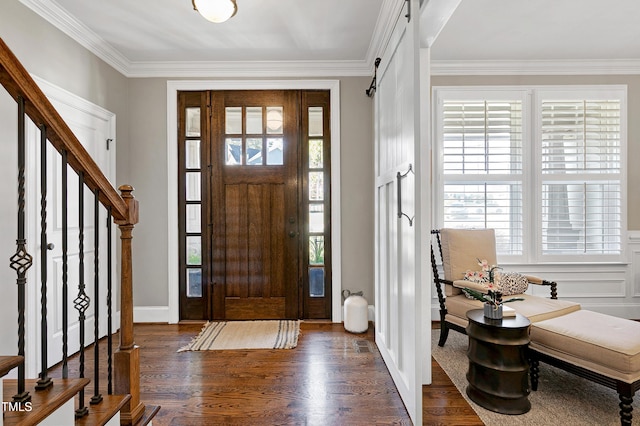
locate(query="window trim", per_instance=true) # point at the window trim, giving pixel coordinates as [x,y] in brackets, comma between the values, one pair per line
[531,96]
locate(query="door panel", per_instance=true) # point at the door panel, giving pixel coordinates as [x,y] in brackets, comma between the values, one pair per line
[398,249]
[256,220]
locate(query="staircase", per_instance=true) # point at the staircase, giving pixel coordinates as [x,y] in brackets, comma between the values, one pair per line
[61,401]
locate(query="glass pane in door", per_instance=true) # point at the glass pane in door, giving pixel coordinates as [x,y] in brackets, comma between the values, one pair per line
[254,151]
[275,152]
[315,154]
[274,120]
[192,154]
[192,122]
[316,186]
[316,282]
[233,120]
[194,282]
[315,121]
[254,120]
[193,186]
[233,149]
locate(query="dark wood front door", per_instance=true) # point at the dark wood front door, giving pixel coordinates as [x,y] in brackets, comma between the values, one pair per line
[255,205]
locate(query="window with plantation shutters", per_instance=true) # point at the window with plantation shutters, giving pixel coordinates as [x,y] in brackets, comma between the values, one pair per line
[482,158]
[544,166]
[580,175]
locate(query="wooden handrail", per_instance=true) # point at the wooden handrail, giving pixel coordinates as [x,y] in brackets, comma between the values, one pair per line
[18,83]
[123,207]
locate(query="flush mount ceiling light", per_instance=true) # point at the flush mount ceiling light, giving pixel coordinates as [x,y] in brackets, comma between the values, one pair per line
[215,10]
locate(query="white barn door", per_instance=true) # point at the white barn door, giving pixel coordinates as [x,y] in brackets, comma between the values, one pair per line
[399,333]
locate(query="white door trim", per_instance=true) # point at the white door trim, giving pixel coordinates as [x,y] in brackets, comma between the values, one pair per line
[173,270]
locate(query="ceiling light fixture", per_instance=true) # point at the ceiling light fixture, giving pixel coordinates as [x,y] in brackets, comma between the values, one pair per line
[215,10]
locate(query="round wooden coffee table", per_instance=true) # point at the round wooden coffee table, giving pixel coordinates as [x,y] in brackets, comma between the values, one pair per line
[498,368]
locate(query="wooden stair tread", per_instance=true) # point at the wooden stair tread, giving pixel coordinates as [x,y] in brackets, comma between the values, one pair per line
[100,414]
[8,363]
[150,412]
[43,402]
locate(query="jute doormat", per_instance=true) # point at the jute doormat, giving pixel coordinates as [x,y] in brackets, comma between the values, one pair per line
[276,334]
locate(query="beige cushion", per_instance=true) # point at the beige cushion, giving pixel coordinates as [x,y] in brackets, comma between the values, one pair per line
[461,249]
[602,343]
[533,307]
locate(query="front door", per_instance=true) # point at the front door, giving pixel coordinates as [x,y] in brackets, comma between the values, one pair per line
[255,205]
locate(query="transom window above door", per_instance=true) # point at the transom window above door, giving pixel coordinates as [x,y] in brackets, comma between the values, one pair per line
[254,136]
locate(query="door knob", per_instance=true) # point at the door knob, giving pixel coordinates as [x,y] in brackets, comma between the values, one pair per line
[292,234]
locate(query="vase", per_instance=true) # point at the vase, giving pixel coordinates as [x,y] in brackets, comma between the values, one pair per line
[492,313]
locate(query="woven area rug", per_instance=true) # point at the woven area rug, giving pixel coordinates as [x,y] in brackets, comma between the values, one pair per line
[561,399]
[278,334]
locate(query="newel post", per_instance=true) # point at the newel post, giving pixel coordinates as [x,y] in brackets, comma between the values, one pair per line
[127,358]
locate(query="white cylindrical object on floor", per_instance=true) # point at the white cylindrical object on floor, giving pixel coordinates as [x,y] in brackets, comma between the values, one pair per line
[356,314]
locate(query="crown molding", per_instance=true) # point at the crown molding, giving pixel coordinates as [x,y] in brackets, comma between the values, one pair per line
[536,67]
[253,69]
[387,18]
[51,12]
[58,17]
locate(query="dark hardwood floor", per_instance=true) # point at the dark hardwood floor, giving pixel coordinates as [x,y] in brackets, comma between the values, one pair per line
[331,378]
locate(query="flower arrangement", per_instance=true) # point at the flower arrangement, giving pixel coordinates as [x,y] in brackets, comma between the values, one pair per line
[493,296]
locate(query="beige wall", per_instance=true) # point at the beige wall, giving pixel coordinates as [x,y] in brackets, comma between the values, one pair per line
[149,176]
[49,54]
[357,186]
[140,108]
[633,97]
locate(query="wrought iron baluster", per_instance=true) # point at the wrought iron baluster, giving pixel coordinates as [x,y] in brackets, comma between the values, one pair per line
[21,261]
[81,303]
[65,266]
[97,397]
[44,381]
[109,302]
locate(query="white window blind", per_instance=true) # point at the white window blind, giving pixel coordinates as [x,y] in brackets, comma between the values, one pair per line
[581,187]
[482,168]
[482,137]
[544,166]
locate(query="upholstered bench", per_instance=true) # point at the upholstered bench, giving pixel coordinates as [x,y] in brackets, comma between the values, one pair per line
[598,347]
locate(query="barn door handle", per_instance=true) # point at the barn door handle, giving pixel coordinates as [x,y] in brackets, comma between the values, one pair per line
[399,177]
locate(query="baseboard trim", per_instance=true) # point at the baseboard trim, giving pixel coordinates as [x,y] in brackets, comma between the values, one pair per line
[143,314]
[151,314]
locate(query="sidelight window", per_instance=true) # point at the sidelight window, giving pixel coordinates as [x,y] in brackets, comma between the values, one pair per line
[315,203]
[193,203]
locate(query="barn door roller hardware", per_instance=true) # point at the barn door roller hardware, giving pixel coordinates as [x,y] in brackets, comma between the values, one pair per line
[372,87]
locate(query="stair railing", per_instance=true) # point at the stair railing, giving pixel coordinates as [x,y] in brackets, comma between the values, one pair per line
[121,207]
